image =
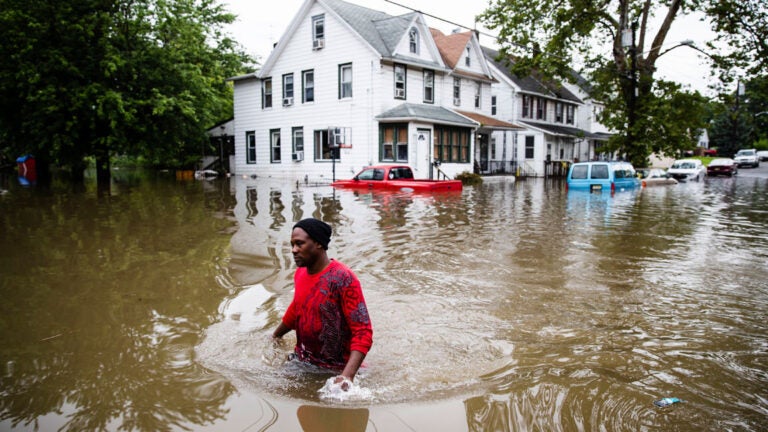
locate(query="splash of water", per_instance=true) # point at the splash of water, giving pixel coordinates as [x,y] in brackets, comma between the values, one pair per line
[344,391]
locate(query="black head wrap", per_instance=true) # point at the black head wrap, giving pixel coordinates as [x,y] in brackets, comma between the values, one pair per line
[317,229]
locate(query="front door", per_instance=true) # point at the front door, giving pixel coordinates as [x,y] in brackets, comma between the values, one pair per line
[423,156]
[482,145]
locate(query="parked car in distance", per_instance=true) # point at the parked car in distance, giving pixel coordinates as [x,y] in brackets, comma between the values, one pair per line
[687,170]
[722,166]
[657,177]
[602,176]
[747,157]
[762,155]
[710,152]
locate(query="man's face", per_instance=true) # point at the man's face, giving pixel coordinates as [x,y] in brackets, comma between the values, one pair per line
[305,250]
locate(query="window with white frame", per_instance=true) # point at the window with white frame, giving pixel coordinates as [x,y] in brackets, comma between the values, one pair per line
[324,151]
[345,81]
[250,147]
[413,40]
[318,31]
[493,105]
[467,58]
[298,139]
[558,112]
[457,91]
[288,89]
[429,86]
[266,93]
[400,74]
[570,111]
[308,86]
[274,145]
[478,95]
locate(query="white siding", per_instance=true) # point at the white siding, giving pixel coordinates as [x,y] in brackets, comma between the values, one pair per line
[247,104]
[327,110]
[373,94]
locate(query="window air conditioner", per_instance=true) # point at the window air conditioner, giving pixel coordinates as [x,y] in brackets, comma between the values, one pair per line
[287,101]
[318,44]
[399,93]
[298,156]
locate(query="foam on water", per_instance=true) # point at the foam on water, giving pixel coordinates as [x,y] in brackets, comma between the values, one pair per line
[344,391]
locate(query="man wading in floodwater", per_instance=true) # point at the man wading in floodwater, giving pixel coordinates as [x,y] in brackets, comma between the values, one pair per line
[328,310]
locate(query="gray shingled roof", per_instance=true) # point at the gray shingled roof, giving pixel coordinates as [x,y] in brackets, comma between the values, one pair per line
[529,83]
[558,130]
[430,113]
[381,30]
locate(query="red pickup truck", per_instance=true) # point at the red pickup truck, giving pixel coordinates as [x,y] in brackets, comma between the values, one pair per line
[395,177]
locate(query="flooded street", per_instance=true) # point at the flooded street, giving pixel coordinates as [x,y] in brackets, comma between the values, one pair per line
[507,306]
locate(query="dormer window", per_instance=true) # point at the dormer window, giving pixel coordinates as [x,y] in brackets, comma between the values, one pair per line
[467,61]
[318,32]
[413,40]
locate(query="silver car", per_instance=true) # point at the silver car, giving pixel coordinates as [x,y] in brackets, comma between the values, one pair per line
[747,157]
[687,170]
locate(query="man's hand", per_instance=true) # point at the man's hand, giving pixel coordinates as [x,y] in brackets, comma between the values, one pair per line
[276,341]
[344,382]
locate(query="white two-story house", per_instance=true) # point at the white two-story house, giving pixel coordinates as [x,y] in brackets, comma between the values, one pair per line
[347,86]
[546,110]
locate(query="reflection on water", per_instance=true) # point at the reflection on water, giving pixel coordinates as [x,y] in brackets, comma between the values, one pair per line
[507,306]
[324,419]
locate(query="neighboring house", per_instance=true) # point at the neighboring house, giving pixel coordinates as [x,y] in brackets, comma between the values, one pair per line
[703,140]
[546,110]
[592,147]
[349,86]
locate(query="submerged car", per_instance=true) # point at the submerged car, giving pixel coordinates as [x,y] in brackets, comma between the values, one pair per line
[747,157]
[762,155]
[722,166]
[657,177]
[687,170]
[602,176]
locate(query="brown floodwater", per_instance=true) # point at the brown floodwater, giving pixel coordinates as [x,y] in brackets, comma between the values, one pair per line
[508,306]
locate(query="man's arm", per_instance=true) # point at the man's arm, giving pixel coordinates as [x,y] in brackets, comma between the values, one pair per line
[353,364]
[281,330]
[350,369]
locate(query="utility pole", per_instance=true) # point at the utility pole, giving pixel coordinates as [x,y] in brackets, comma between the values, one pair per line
[736,138]
[632,102]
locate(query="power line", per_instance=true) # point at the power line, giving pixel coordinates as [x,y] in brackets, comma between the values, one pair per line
[442,19]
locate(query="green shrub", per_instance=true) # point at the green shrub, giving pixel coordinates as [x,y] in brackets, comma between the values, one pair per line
[469,179]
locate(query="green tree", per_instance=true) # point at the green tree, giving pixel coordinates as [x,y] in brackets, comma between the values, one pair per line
[548,35]
[742,26]
[741,120]
[98,78]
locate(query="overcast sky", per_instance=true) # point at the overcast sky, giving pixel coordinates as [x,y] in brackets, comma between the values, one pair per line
[261,23]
